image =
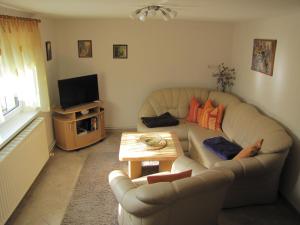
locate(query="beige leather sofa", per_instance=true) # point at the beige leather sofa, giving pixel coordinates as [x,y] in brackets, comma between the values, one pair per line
[256,178]
[196,200]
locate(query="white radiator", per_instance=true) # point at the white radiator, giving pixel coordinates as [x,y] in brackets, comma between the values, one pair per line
[21,160]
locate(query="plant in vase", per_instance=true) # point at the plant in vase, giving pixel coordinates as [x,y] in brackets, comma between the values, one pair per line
[225,77]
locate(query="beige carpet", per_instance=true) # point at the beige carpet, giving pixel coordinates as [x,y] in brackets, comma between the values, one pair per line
[92,202]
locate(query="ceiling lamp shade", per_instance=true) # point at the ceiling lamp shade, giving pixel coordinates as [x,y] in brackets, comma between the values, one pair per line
[152,11]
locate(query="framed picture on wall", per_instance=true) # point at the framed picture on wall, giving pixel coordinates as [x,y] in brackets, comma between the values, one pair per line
[48,50]
[120,51]
[85,49]
[263,56]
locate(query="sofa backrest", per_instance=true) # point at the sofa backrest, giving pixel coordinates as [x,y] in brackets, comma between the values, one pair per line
[242,122]
[173,100]
[245,125]
[226,99]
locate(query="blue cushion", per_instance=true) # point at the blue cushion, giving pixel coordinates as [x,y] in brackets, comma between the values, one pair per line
[223,148]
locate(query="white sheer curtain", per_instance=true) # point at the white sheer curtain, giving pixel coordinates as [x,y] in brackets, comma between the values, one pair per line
[1,116]
[22,69]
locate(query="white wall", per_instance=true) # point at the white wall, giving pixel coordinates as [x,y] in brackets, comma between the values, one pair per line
[47,29]
[278,95]
[48,34]
[12,12]
[160,55]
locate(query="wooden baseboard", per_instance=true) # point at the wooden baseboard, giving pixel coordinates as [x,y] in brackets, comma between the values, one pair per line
[119,130]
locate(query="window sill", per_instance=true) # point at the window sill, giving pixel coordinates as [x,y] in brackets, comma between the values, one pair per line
[10,128]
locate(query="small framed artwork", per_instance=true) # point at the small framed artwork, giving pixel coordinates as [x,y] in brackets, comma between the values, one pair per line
[85,49]
[263,56]
[48,50]
[120,51]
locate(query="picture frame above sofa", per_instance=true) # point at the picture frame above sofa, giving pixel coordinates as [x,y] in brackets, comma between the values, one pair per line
[263,56]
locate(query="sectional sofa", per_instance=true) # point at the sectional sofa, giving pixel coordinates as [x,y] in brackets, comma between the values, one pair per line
[256,178]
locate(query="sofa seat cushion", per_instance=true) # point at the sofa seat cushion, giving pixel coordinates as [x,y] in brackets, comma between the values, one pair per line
[185,163]
[198,150]
[181,130]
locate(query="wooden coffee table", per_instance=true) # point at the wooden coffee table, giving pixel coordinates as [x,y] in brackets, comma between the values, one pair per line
[134,151]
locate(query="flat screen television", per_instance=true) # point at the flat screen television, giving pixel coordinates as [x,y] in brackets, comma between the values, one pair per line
[78,90]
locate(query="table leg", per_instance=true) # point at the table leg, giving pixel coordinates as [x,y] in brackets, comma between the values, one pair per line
[134,169]
[165,165]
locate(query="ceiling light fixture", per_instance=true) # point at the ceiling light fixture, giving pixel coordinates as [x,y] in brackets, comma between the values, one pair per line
[153,10]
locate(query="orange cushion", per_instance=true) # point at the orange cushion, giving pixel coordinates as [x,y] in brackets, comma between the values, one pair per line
[207,105]
[194,105]
[250,151]
[211,117]
[169,177]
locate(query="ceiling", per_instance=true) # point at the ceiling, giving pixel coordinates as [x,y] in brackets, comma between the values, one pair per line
[225,10]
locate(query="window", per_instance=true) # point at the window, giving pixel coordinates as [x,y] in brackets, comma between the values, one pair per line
[23,83]
[8,104]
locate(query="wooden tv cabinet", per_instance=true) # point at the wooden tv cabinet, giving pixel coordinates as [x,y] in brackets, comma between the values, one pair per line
[79,126]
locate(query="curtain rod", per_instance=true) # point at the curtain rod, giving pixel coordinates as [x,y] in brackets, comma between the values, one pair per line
[19,18]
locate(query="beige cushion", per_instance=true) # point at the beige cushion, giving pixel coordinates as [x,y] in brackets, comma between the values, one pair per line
[173,100]
[184,163]
[198,151]
[244,125]
[225,99]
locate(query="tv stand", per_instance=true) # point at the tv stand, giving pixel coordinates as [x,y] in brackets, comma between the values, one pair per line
[79,126]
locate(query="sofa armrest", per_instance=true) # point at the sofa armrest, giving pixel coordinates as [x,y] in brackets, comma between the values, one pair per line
[259,165]
[184,163]
[167,192]
[125,192]
[120,184]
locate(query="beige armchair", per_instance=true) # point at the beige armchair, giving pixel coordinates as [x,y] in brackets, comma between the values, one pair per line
[195,200]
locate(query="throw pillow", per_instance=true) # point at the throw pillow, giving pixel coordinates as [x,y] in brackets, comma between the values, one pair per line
[194,105]
[169,177]
[207,105]
[211,118]
[164,120]
[222,147]
[250,151]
